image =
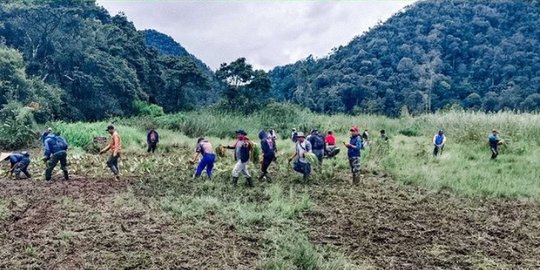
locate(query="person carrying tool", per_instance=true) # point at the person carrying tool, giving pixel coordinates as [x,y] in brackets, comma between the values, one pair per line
[19,163]
[439,140]
[55,152]
[115,147]
[242,148]
[204,148]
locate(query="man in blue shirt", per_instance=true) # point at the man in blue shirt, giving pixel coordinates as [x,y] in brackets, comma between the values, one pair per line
[19,164]
[353,151]
[494,142]
[55,148]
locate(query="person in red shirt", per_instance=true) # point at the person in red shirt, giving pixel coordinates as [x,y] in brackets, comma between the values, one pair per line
[330,140]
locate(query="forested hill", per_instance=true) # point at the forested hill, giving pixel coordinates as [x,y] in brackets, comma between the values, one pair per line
[166,45]
[483,55]
[80,63]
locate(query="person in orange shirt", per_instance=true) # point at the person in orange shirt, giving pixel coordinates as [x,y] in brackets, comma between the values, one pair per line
[115,146]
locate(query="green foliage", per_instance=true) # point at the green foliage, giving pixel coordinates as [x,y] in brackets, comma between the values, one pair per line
[17,129]
[104,68]
[479,54]
[248,90]
[143,108]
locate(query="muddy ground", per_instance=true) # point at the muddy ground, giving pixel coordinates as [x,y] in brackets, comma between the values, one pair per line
[93,224]
[403,227]
[90,224]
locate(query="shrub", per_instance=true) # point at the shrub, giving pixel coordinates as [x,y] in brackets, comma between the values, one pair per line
[143,108]
[17,130]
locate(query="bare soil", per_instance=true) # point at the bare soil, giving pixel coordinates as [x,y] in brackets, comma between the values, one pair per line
[83,224]
[392,226]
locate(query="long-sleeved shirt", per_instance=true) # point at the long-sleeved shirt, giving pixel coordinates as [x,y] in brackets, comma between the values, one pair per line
[115,146]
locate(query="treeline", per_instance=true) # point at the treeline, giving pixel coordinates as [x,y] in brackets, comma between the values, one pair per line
[76,62]
[480,55]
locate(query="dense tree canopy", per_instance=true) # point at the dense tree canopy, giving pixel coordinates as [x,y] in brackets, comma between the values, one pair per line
[482,55]
[101,63]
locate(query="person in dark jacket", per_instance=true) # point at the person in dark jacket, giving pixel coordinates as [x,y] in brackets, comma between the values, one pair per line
[318,143]
[494,142]
[19,164]
[354,151]
[55,151]
[269,149]
[242,148]
[152,139]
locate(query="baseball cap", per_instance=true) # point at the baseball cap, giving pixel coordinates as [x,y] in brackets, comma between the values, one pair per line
[354,129]
[241,131]
[300,134]
[109,127]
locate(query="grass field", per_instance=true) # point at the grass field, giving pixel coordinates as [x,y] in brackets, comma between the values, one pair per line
[461,210]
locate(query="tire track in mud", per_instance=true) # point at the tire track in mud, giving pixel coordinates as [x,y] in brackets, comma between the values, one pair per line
[404,227]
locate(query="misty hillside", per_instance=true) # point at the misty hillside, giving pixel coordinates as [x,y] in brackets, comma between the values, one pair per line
[481,55]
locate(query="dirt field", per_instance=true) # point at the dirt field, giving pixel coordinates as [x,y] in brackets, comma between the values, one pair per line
[90,224]
[93,224]
[403,227]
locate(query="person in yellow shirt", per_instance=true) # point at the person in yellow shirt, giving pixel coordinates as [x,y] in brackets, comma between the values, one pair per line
[115,147]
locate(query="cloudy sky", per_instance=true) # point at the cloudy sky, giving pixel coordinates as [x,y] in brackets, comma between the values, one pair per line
[267,33]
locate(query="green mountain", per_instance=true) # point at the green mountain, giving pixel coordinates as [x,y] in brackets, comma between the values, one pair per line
[481,55]
[93,65]
[166,45]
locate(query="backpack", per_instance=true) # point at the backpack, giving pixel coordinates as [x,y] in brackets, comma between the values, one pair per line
[317,142]
[58,143]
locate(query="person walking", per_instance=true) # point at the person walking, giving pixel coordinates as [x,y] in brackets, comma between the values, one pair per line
[302,148]
[354,148]
[242,148]
[152,139]
[494,142]
[365,138]
[318,144]
[204,148]
[115,147]
[269,149]
[19,163]
[439,140]
[294,135]
[55,152]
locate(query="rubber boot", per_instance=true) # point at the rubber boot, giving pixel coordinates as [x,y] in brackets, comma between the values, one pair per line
[249,182]
[261,177]
[355,179]
[66,175]
[235,181]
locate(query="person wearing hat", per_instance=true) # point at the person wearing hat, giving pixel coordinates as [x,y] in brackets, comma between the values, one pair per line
[45,134]
[301,165]
[55,152]
[439,140]
[354,148]
[115,147]
[242,148]
[494,142]
[19,164]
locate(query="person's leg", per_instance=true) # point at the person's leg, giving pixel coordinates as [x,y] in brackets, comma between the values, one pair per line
[154,147]
[236,172]
[112,163]
[210,165]
[355,168]
[435,150]
[50,167]
[245,172]
[24,170]
[264,167]
[62,157]
[200,167]
[149,148]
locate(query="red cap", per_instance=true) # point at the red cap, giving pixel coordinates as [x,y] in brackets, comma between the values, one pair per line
[354,129]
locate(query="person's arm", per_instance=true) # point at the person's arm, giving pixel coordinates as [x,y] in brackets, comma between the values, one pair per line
[230,146]
[106,148]
[195,155]
[435,140]
[157,137]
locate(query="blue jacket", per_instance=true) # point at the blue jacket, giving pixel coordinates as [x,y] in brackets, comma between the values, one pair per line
[439,139]
[493,140]
[54,144]
[44,136]
[268,146]
[357,142]
[17,157]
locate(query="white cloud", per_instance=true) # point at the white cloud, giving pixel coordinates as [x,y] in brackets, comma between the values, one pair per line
[267,33]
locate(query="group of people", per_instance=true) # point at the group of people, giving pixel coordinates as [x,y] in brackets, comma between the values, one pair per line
[55,151]
[439,141]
